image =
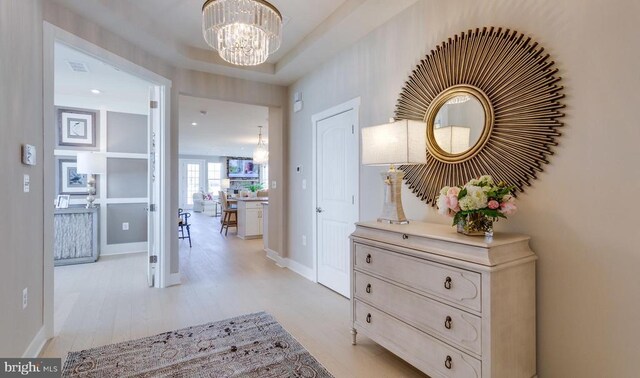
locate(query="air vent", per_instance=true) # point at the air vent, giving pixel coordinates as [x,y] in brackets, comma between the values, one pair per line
[78,66]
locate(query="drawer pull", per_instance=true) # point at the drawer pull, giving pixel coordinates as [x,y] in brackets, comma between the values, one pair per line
[368,260]
[405,236]
[368,289]
[447,322]
[447,362]
[447,283]
[368,318]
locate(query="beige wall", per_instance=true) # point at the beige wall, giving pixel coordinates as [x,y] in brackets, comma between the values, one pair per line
[21,229]
[582,211]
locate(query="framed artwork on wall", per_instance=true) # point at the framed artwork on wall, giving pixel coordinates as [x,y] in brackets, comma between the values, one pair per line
[70,181]
[76,128]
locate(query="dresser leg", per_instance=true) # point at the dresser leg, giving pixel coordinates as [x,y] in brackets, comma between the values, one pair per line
[354,333]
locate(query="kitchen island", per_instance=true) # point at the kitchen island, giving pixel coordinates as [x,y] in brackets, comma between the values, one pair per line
[250,215]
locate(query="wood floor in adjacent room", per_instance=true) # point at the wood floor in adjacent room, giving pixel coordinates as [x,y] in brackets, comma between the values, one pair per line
[222,277]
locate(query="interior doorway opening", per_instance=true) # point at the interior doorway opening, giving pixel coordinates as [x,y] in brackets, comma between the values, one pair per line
[101,108]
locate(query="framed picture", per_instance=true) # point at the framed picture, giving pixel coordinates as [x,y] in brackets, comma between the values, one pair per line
[76,128]
[62,202]
[70,181]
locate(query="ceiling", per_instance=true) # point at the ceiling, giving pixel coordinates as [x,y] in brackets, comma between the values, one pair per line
[228,128]
[119,91]
[171,29]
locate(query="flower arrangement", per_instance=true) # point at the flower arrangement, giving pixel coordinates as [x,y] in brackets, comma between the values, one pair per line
[476,205]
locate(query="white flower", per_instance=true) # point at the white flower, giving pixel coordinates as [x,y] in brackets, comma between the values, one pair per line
[443,209]
[486,179]
[444,190]
[475,198]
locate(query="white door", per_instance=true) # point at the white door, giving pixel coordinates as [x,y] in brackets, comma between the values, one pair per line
[153,213]
[191,181]
[336,197]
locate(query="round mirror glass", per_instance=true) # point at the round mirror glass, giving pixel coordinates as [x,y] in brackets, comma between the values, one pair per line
[459,123]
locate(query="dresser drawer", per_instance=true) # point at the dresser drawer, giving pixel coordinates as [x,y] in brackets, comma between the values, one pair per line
[423,351]
[456,285]
[433,317]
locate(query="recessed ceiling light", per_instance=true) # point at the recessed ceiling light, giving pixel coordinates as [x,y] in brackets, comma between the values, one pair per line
[194,124]
[95,91]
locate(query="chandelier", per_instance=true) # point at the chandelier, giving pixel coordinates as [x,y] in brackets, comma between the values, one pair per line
[460,99]
[244,32]
[261,153]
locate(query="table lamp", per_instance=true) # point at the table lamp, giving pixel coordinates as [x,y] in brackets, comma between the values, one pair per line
[396,143]
[90,164]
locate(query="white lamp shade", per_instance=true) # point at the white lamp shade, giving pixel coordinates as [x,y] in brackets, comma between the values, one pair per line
[226,184]
[453,139]
[400,142]
[92,163]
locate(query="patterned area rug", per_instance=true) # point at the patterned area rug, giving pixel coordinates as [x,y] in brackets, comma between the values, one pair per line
[252,345]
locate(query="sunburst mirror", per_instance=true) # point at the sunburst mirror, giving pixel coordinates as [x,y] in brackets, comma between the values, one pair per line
[491,101]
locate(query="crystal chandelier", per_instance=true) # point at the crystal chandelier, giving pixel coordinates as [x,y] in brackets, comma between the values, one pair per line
[261,153]
[460,99]
[244,32]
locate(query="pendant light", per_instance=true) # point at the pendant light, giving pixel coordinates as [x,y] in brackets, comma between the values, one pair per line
[261,153]
[244,32]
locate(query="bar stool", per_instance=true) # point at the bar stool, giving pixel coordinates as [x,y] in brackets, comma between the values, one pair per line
[230,215]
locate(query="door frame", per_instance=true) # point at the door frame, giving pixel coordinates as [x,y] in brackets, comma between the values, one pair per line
[51,35]
[353,104]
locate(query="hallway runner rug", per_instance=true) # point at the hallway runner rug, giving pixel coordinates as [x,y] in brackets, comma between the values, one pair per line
[253,345]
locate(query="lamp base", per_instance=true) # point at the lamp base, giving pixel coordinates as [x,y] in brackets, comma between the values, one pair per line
[91,189]
[392,211]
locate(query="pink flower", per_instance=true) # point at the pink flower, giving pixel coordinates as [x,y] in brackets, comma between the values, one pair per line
[453,191]
[452,203]
[493,204]
[508,208]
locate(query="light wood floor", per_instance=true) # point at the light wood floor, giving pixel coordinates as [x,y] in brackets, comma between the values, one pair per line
[222,277]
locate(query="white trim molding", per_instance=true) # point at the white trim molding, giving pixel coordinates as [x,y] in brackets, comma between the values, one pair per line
[36,345]
[292,265]
[123,248]
[174,279]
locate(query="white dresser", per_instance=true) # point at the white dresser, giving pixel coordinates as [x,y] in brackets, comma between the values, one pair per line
[449,304]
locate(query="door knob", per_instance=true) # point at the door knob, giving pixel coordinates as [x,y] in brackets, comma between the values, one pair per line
[319,210]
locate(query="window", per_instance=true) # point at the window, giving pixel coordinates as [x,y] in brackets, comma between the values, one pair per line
[214,177]
[193,181]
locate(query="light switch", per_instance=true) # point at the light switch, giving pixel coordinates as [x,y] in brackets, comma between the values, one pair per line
[125,226]
[304,183]
[25,183]
[273,184]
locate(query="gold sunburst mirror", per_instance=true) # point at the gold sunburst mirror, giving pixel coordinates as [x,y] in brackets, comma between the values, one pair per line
[491,101]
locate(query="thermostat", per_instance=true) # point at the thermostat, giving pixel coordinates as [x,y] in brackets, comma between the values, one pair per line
[28,154]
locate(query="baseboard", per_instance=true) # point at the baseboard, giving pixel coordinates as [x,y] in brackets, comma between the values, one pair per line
[123,249]
[292,265]
[174,279]
[36,345]
[273,255]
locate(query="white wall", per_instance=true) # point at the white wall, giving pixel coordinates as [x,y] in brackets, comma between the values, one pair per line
[581,212]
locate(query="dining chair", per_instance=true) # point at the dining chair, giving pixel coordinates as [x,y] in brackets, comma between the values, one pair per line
[184,225]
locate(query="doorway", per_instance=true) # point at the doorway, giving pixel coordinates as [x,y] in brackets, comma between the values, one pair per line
[335,192]
[132,189]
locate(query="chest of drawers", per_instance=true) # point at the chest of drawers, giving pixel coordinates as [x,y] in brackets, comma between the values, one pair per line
[449,304]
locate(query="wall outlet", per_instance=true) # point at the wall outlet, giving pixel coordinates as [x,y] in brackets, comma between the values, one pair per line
[125,226]
[25,298]
[304,240]
[274,184]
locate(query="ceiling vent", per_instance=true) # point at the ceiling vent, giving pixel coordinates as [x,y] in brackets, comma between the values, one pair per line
[78,66]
